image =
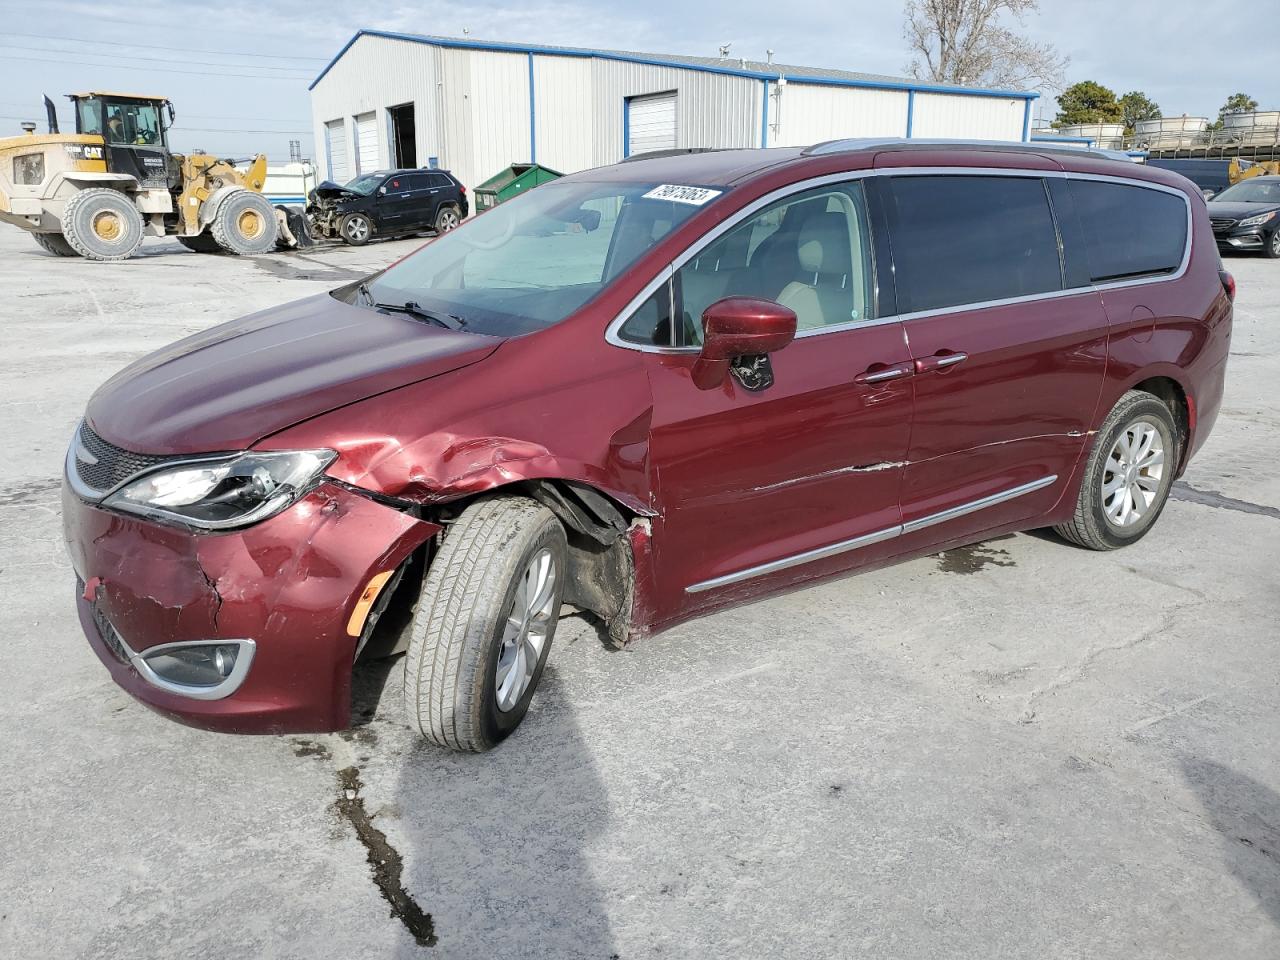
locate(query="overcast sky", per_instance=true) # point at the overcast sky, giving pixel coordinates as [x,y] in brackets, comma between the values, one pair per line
[240,83]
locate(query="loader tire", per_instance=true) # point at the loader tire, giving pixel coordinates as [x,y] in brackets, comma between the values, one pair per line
[201,243]
[245,224]
[102,224]
[54,243]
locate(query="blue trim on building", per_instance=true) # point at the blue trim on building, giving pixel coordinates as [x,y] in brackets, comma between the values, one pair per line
[911,111]
[764,117]
[1026,121]
[453,44]
[533,120]
[626,127]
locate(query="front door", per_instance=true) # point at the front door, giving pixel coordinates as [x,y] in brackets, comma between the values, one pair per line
[762,487]
[1008,363]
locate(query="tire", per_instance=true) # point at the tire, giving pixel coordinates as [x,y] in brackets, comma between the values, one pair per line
[245,224]
[1272,249]
[462,629]
[102,224]
[1096,524]
[54,243]
[355,229]
[447,218]
[201,243]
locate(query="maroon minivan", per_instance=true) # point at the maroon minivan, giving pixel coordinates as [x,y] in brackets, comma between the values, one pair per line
[647,390]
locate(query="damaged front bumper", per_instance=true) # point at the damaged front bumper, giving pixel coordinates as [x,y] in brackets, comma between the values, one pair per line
[286,593]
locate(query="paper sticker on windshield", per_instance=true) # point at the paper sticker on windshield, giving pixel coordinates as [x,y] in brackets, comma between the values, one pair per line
[696,196]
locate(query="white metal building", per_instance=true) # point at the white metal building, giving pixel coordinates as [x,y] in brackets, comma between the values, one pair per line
[399,100]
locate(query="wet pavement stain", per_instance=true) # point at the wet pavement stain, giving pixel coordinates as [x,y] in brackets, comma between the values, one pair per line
[32,492]
[278,267]
[384,860]
[1211,498]
[974,557]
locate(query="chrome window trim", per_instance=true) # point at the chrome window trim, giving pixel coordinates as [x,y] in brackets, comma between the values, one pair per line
[888,533]
[668,272]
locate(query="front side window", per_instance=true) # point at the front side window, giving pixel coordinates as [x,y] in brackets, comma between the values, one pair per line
[971,239]
[530,262]
[809,252]
[132,124]
[1130,231]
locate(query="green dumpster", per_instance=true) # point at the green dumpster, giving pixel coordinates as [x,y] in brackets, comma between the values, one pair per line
[516,179]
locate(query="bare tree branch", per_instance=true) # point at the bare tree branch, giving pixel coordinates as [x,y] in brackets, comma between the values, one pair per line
[965,42]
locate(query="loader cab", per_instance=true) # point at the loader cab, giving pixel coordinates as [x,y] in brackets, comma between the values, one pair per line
[135,130]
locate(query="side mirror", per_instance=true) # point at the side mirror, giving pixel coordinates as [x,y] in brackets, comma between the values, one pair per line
[382,191]
[738,327]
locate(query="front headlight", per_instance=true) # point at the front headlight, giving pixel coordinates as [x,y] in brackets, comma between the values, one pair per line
[221,493]
[1257,221]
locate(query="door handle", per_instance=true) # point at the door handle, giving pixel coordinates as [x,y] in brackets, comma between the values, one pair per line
[884,374]
[939,361]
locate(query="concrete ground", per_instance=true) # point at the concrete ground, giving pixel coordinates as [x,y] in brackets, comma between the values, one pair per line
[1018,749]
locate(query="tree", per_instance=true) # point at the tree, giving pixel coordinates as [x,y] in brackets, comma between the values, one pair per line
[1135,106]
[1088,102]
[965,42]
[1236,103]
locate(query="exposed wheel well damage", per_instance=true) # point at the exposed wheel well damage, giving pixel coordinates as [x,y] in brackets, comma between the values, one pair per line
[600,578]
[1170,392]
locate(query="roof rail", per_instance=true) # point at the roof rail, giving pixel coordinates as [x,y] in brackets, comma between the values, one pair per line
[675,152]
[998,146]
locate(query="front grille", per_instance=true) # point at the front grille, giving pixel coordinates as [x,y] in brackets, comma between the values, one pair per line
[105,630]
[1220,225]
[113,465]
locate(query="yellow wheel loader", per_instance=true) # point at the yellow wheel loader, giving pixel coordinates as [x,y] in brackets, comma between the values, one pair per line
[96,193]
[1244,169]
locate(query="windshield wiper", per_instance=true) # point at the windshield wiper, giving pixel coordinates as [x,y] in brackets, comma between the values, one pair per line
[411,307]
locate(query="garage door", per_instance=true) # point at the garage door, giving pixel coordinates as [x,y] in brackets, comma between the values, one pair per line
[651,123]
[335,148]
[367,142]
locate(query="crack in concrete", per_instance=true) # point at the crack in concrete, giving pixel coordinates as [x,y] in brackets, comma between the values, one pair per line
[384,860]
[1211,498]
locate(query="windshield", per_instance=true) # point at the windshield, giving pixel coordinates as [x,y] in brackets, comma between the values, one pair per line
[530,262]
[365,184]
[1252,191]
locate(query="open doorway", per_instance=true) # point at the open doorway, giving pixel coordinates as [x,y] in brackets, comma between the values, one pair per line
[404,141]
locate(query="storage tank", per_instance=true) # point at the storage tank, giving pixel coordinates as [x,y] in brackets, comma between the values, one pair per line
[1259,128]
[1105,136]
[1170,133]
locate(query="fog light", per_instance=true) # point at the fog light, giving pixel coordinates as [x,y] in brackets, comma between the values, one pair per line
[208,669]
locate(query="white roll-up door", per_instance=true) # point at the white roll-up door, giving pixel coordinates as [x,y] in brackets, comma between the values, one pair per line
[335,145]
[367,142]
[651,123]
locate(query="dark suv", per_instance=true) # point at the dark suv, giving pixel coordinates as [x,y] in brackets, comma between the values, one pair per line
[387,203]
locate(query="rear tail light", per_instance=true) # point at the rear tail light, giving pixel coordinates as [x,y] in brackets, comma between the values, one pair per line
[462,189]
[1228,283]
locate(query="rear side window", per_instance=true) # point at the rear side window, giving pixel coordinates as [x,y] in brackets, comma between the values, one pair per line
[965,239]
[1130,231]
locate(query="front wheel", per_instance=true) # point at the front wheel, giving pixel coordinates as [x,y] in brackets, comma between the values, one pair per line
[1127,478]
[1272,249]
[245,224]
[485,622]
[356,229]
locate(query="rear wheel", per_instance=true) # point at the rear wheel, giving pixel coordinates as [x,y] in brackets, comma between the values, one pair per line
[484,624]
[1272,249]
[447,219]
[1127,478]
[245,224]
[55,243]
[102,224]
[356,229]
[201,243]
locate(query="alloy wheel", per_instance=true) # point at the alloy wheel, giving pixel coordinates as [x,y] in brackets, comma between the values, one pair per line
[448,220]
[525,630]
[1132,474]
[357,229]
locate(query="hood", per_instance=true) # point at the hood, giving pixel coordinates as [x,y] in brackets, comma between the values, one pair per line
[330,192]
[1224,209]
[232,385]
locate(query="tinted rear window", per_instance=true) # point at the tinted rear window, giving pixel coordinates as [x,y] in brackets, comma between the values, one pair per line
[961,239]
[1130,231]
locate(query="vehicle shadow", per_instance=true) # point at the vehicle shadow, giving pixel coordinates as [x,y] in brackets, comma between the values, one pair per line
[1247,815]
[495,845]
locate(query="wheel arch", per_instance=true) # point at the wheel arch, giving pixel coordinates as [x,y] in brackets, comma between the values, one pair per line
[1173,393]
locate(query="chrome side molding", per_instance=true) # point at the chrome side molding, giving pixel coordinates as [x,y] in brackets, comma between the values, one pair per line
[845,546]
